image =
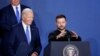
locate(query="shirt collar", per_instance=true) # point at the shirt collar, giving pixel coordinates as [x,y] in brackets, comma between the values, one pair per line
[16,6]
[25,26]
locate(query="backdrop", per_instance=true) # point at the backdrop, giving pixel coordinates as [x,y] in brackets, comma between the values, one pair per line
[83,17]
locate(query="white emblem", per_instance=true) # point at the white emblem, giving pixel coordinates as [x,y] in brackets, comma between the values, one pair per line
[70,50]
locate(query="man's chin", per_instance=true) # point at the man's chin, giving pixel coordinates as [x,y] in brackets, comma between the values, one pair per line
[29,23]
[61,28]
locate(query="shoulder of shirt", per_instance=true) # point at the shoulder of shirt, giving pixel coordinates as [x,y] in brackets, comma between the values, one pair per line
[53,32]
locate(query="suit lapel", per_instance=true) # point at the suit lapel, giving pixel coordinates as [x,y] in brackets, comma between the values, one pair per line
[13,15]
[22,32]
[31,34]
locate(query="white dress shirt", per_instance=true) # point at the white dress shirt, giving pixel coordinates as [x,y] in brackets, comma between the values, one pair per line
[19,9]
[25,26]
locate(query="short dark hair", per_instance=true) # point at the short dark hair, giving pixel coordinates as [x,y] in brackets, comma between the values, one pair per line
[60,16]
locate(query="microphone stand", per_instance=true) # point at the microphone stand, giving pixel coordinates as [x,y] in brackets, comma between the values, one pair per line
[69,36]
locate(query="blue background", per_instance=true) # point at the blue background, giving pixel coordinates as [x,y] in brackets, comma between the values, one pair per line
[83,17]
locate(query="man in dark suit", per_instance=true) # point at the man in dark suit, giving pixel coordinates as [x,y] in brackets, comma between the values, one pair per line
[11,15]
[62,34]
[24,39]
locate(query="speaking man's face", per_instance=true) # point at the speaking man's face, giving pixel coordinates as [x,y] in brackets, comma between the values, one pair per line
[61,23]
[28,18]
[15,2]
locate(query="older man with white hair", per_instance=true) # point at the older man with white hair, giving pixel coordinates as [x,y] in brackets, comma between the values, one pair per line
[24,39]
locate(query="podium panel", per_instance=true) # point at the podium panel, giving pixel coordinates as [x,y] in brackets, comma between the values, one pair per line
[63,48]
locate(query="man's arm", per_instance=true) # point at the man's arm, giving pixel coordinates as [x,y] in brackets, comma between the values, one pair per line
[74,35]
[37,43]
[11,43]
[52,36]
[3,20]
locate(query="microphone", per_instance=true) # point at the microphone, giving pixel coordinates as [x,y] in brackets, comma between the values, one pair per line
[69,36]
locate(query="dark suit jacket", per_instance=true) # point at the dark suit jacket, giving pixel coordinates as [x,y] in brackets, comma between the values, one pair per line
[17,44]
[7,21]
[8,18]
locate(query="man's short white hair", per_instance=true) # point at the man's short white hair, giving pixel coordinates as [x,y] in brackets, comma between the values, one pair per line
[26,10]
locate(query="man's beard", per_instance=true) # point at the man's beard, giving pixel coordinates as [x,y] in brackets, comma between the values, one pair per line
[61,28]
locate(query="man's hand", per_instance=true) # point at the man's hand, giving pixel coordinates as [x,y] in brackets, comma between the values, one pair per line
[62,34]
[73,34]
[34,54]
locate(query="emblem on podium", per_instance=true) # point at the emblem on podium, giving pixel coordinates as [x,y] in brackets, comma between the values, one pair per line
[70,50]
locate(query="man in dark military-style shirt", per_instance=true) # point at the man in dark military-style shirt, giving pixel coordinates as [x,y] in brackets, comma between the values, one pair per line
[61,33]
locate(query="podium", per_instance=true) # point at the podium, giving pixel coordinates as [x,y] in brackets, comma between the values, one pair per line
[63,48]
